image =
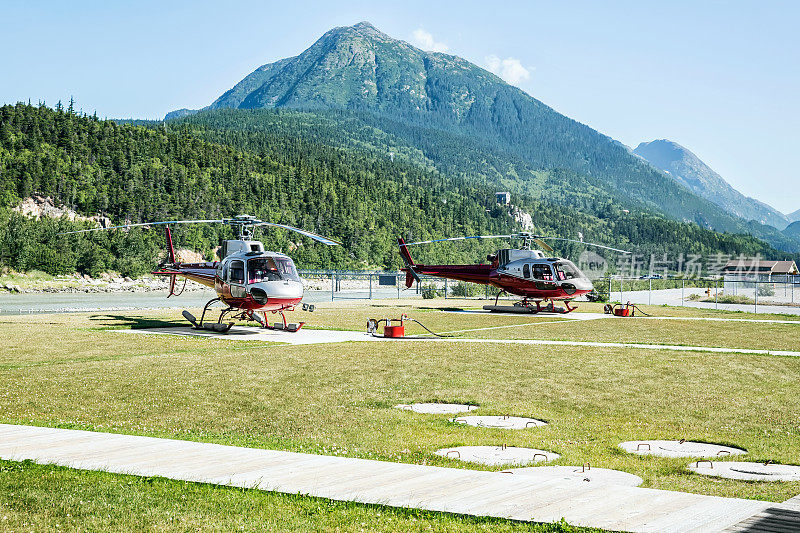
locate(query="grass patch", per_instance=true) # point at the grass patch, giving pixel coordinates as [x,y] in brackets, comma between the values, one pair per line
[336,399]
[733,335]
[46,498]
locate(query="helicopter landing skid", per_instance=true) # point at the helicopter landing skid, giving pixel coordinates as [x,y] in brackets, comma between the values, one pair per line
[217,327]
[276,326]
[238,314]
[527,307]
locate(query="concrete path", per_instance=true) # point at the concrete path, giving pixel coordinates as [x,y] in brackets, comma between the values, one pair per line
[717,319]
[318,336]
[670,347]
[528,498]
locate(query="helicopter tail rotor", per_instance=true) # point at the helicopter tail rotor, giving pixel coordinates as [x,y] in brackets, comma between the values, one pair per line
[170,247]
[411,275]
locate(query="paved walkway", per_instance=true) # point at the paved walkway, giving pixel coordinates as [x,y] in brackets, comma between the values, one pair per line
[318,336]
[528,498]
[670,347]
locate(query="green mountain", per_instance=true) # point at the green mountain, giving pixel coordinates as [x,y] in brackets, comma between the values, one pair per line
[690,171]
[795,216]
[350,190]
[793,230]
[420,95]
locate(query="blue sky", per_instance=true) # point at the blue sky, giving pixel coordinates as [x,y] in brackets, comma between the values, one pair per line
[721,78]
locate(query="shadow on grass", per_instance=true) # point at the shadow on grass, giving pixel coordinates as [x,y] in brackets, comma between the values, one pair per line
[136,322]
[443,308]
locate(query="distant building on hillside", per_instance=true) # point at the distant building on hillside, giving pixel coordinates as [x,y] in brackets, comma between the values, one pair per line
[503,198]
[759,269]
[741,275]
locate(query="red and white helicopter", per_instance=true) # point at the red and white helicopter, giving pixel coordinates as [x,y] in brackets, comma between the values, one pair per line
[248,280]
[525,272]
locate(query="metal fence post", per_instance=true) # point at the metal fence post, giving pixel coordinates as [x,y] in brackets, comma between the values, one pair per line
[716,292]
[445,288]
[683,289]
[333,285]
[397,284]
[755,294]
[650,293]
[370,285]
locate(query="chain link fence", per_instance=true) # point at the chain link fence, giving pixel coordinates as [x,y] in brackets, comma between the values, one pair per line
[780,295]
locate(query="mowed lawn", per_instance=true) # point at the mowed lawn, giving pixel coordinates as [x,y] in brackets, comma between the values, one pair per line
[85,371]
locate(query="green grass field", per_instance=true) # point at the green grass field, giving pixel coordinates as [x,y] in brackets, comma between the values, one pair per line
[85,371]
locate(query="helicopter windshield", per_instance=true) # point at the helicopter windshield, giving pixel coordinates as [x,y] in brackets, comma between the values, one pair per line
[566,270]
[270,269]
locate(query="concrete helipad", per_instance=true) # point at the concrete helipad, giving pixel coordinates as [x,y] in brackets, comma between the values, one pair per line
[497,455]
[437,408]
[533,498]
[502,422]
[747,470]
[252,333]
[676,448]
[584,473]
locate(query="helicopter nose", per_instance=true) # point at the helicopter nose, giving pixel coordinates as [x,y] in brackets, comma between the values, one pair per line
[259,295]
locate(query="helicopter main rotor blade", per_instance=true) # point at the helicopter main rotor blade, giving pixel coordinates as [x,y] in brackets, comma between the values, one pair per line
[461,239]
[543,244]
[162,223]
[586,243]
[318,238]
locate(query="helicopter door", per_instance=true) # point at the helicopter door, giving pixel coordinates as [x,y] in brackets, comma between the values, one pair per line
[236,279]
[526,271]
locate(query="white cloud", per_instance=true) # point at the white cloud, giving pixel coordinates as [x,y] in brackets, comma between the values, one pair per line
[510,69]
[423,39]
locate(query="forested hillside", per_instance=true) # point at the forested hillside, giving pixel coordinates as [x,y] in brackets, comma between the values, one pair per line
[357,195]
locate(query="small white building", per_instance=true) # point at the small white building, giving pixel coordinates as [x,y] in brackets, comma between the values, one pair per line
[503,198]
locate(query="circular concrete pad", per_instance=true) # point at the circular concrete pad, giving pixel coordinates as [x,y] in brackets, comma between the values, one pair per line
[746,470]
[497,455]
[502,422]
[676,448]
[437,408]
[598,475]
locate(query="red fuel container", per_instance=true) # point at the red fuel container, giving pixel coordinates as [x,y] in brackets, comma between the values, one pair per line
[394,332]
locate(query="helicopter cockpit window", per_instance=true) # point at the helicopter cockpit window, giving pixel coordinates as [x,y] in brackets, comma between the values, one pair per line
[542,272]
[262,269]
[566,270]
[236,272]
[526,271]
[286,268]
